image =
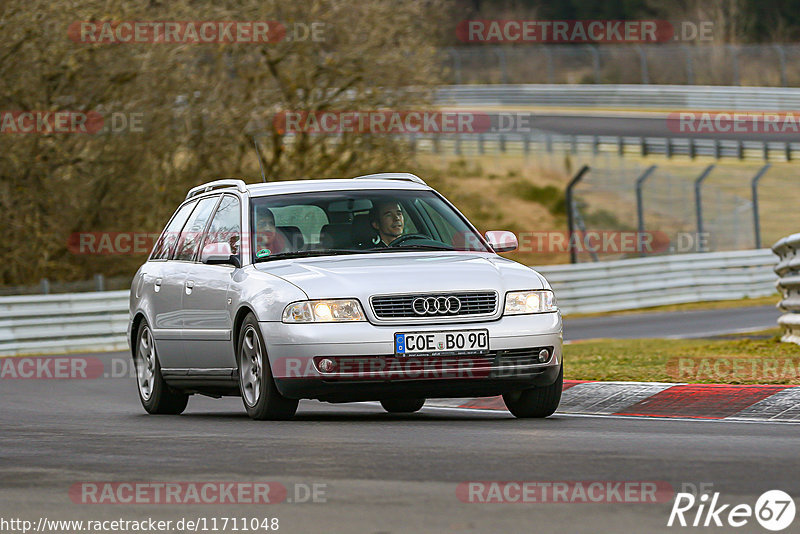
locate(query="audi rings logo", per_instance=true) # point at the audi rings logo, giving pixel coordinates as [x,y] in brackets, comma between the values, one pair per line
[436,305]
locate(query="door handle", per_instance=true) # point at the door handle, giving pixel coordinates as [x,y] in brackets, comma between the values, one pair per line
[157,285]
[189,286]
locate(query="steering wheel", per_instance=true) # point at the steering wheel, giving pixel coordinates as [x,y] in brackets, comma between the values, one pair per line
[404,238]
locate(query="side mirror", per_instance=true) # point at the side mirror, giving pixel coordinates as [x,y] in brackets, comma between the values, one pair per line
[219,254]
[502,240]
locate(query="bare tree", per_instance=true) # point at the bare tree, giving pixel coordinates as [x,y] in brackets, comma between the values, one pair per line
[198,105]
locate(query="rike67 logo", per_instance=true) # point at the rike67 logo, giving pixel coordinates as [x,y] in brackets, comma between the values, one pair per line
[774,510]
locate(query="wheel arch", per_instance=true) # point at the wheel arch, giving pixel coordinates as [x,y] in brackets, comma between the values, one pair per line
[238,319]
[137,320]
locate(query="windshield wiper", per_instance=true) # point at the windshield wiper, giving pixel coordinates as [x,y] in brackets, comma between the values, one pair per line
[415,247]
[308,254]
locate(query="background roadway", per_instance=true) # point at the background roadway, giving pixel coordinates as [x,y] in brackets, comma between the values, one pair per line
[630,125]
[677,324]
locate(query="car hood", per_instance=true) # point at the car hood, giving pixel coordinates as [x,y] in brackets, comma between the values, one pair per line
[364,275]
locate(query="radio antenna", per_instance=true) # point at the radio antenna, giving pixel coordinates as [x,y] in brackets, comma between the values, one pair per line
[260,162]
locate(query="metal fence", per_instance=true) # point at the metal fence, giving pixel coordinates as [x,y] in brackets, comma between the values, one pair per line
[98,320]
[541,141]
[684,211]
[754,64]
[788,268]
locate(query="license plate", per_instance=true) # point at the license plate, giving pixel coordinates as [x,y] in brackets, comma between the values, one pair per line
[433,343]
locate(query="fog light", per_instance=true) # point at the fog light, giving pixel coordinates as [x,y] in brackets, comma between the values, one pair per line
[544,355]
[326,366]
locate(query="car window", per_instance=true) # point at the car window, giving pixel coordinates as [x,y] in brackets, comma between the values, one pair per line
[444,230]
[192,232]
[309,219]
[169,237]
[226,226]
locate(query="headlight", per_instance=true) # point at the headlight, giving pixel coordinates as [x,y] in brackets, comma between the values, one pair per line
[520,302]
[323,311]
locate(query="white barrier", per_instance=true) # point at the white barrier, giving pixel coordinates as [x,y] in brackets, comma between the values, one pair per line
[97,321]
[63,323]
[682,97]
[788,268]
[662,280]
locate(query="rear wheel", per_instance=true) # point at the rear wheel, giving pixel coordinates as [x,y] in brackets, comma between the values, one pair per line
[536,402]
[156,396]
[260,396]
[402,405]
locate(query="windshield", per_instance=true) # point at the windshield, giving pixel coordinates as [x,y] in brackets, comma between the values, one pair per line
[350,222]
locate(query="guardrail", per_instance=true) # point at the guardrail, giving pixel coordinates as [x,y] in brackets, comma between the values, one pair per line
[63,323]
[681,97]
[98,320]
[788,269]
[662,280]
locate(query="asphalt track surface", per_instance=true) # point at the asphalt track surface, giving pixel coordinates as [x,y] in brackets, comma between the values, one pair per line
[382,473]
[678,324]
[656,125]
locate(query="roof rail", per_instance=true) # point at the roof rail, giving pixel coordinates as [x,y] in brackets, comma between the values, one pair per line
[217,184]
[407,176]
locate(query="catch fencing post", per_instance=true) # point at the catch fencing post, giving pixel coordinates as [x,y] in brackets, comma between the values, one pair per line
[456,64]
[782,62]
[640,205]
[699,206]
[573,255]
[754,189]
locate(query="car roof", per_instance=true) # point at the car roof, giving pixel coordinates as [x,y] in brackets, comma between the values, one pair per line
[348,184]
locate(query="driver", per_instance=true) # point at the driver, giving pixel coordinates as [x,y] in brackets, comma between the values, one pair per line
[268,240]
[386,217]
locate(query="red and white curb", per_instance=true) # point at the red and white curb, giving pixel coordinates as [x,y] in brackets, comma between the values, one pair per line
[659,399]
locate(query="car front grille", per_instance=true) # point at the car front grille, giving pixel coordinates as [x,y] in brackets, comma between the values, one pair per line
[402,306]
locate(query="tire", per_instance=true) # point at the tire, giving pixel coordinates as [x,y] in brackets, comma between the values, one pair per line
[261,398]
[402,405]
[536,402]
[156,396]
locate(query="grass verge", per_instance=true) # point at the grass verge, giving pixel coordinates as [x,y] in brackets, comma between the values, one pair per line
[753,358]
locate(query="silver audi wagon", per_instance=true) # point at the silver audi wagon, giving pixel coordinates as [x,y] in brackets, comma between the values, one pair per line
[374,288]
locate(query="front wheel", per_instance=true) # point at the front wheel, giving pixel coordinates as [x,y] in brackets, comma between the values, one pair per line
[536,402]
[259,394]
[156,396]
[402,405]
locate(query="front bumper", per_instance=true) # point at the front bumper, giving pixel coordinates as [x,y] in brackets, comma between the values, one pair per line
[293,348]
